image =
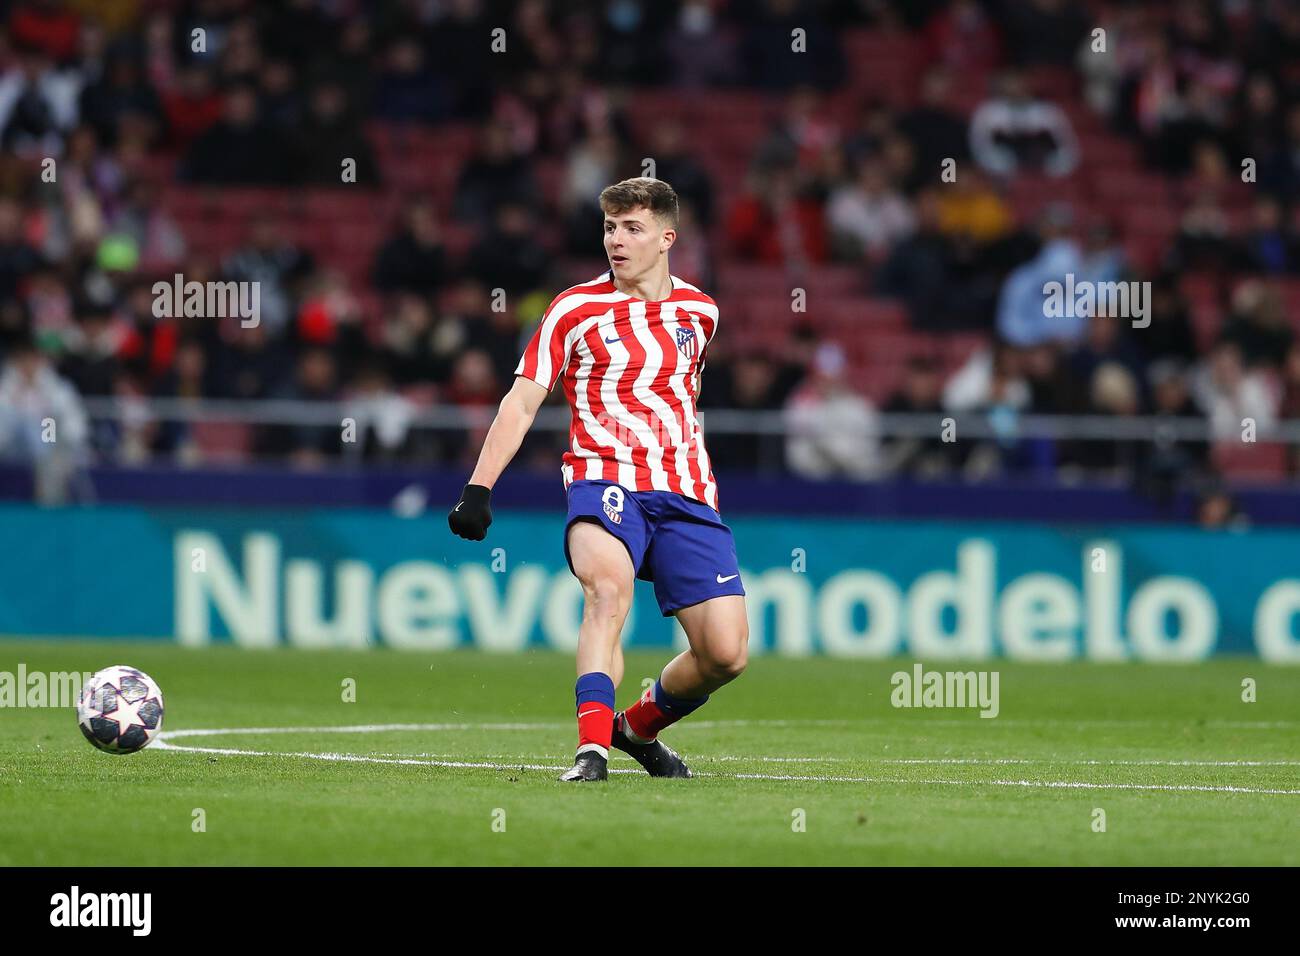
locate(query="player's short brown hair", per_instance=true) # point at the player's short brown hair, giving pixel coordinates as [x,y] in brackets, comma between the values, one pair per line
[642,191]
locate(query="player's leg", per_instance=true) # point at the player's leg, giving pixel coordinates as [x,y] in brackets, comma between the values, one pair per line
[616,670]
[604,568]
[692,557]
[717,631]
[718,634]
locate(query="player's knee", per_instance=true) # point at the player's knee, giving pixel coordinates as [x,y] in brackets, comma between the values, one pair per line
[728,661]
[604,594]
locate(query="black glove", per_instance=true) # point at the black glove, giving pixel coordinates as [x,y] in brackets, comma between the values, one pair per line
[472,514]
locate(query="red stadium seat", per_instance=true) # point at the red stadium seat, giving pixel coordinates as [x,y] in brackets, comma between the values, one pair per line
[1255,460]
[223,441]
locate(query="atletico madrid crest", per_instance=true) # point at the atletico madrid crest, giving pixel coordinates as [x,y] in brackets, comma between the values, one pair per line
[686,342]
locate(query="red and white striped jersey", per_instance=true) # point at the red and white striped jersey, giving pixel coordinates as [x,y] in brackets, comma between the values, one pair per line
[628,368]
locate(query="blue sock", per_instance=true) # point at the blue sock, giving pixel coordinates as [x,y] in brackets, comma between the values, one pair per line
[596,687]
[594,696]
[678,707]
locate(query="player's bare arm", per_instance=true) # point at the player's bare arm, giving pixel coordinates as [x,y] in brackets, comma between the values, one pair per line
[473,513]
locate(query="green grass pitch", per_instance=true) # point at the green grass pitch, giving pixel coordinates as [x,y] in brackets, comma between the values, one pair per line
[1179,764]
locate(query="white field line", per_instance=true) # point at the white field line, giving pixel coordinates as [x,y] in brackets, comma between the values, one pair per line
[353,729]
[977,761]
[163,743]
[998,721]
[699,724]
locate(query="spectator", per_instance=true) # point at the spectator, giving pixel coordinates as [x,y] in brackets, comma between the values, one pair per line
[1112,391]
[142,222]
[281,99]
[1290,402]
[38,105]
[1203,242]
[494,176]
[413,259]
[1268,247]
[927,271]
[971,211]
[41,414]
[1216,509]
[276,263]
[18,259]
[239,149]
[149,346]
[1279,164]
[1057,386]
[1258,325]
[46,27]
[406,89]
[803,135]
[766,48]
[306,445]
[91,363]
[1105,342]
[1011,132]
[832,431]
[1229,394]
[772,223]
[1044,32]
[186,379]
[673,164]
[508,256]
[248,363]
[993,384]
[331,316]
[382,416]
[961,37]
[920,394]
[990,377]
[411,345]
[753,382]
[869,216]
[331,135]
[191,106]
[1167,459]
[473,386]
[1023,314]
[937,132]
[1170,335]
[121,96]
[701,51]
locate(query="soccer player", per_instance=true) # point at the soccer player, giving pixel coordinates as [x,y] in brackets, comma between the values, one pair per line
[629,348]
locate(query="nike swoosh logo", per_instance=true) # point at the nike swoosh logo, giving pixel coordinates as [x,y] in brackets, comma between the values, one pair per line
[589,712]
[722,580]
[619,339]
[458,504]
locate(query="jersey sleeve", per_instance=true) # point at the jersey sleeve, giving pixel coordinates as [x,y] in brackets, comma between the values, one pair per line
[547,352]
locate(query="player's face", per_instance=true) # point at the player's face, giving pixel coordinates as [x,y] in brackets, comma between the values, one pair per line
[634,241]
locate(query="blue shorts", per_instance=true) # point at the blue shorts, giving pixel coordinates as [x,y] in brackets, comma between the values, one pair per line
[678,543]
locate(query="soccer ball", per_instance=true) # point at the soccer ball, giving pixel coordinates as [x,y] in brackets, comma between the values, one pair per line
[120,710]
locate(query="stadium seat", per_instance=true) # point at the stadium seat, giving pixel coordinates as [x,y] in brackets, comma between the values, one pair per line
[1262,461]
[223,441]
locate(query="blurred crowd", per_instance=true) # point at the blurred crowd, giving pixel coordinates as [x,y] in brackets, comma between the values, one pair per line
[127,103]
